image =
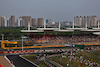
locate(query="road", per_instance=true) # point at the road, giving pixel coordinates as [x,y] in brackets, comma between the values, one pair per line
[19,62]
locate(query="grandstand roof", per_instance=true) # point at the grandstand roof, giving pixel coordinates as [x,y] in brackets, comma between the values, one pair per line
[96,33]
[91,30]
[46,29]
[59,30]
[30,31]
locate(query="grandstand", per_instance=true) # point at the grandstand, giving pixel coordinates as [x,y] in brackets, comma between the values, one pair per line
[56,36]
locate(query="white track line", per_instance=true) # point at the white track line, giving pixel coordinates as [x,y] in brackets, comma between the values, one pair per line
[9,61]
[29,61]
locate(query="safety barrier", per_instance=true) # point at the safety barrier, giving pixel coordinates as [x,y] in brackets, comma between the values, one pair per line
[1,52]
[8,42]
[53,46]
[18,52]
[98,44]
[36,51]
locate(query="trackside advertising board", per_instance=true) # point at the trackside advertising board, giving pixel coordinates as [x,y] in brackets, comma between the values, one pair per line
[67,45]
[70,45]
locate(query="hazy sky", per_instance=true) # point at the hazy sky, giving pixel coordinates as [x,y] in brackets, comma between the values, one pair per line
[57,10]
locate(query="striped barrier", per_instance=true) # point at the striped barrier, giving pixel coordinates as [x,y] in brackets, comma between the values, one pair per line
[47,63]
[1,52]
[18,52]
[11,51]
[24,51]
[5,52]
[37,51]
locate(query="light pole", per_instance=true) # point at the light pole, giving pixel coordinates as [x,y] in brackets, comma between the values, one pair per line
[22,41]
[2,37]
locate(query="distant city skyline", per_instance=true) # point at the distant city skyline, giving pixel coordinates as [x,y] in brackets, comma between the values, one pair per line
[82,21]
[57,10]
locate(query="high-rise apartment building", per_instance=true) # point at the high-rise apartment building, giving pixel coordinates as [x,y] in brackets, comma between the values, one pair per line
[8,22]
[40,21]
[13,21]
[78,20]
[34,22]
[26,20]
[48,21]
[93,20]
[84,21]
[81,21]
[89,21]
[20,22]
[3,21]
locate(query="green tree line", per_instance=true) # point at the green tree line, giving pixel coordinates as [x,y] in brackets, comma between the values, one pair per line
[11,32]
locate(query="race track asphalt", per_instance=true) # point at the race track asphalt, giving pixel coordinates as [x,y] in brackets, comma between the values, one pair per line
[19,62]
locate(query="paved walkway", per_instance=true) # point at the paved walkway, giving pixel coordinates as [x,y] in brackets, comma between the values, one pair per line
[52,62]
[4,62]
[53,55]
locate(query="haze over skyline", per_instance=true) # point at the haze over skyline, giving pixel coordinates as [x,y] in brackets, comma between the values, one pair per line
[57,10]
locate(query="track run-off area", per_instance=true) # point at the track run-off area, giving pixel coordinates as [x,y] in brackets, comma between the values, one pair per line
[19,62]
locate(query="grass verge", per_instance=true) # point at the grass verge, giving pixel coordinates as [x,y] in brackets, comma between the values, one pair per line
[32,57]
